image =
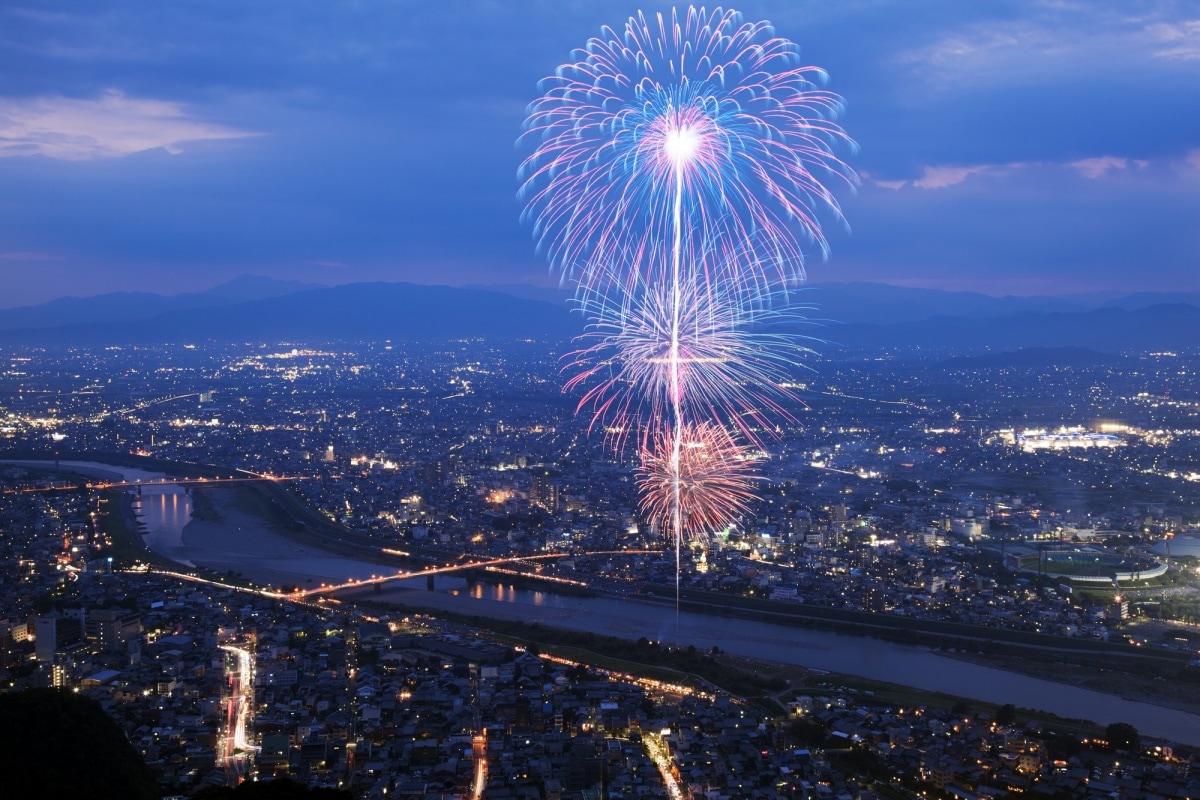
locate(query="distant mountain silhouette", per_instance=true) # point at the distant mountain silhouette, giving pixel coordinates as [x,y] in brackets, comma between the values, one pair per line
[357,311]
[851,315]
[1112,330]
[1032,357]
[1132,302]
[559,295]
[124,306]
[882,304]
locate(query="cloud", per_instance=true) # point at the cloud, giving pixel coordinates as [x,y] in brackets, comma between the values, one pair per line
[1098,167]
[1179,40]
[110,126]
[993,49]
[1193,158]
[894,185]
[942,177]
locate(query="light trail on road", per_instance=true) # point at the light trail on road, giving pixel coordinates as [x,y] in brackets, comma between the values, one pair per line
[660,754]
[236,748]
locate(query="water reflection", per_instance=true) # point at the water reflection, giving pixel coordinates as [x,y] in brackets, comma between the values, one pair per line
[496,593]
[162,513]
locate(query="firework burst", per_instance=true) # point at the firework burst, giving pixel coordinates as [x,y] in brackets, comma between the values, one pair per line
[715,480]
[732,359]
[678,166]
[722,108]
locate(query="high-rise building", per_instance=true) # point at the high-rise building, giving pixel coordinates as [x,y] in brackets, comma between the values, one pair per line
[107,629]
[59,676]
[54,632]
[433,473]
[10,634]
[544,491]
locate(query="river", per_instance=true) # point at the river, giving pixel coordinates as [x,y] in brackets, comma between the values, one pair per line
[908,665]
[266,556]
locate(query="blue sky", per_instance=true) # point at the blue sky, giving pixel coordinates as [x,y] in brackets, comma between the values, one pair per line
[1009,148]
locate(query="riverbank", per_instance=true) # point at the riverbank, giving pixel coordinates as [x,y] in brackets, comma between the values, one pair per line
[232,539]
[1120,679]
[246,534]
[868,658]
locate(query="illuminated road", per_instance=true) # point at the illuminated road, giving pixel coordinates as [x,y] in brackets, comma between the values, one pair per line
[906,403]
[479,748]
[236,749]
[660,754]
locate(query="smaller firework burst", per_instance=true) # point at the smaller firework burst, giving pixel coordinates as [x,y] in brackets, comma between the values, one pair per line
[708,479]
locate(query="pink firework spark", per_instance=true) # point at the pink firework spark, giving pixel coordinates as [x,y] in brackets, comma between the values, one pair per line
[716,480]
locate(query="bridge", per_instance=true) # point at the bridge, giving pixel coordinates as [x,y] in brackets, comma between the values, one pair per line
[213,482]
[495,564]
[196,481]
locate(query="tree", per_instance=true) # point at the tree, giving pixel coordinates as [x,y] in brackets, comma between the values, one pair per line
[1122,736]
[1006,714]
[809,732]
[55,743]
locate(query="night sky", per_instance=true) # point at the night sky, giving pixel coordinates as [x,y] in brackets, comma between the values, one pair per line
[1004,147]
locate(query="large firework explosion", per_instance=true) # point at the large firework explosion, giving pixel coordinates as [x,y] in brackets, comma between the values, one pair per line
[679,165]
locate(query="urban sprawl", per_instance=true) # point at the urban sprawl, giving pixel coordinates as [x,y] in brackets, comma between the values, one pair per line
[911,495]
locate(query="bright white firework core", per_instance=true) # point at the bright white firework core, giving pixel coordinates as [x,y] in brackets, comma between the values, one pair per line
[681,144]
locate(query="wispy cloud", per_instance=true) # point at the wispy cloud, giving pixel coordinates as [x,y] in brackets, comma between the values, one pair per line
[942,177]
[882,183]
[1004,50]
[1102,165]
[1095,168]
[1177,40]
[109,126]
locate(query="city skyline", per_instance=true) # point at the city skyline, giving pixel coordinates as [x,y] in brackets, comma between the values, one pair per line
[171,149]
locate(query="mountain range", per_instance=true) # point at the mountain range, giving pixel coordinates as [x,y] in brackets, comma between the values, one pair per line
[353,311]
[858,315]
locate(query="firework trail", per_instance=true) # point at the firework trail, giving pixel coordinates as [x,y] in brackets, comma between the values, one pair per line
[678,165]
